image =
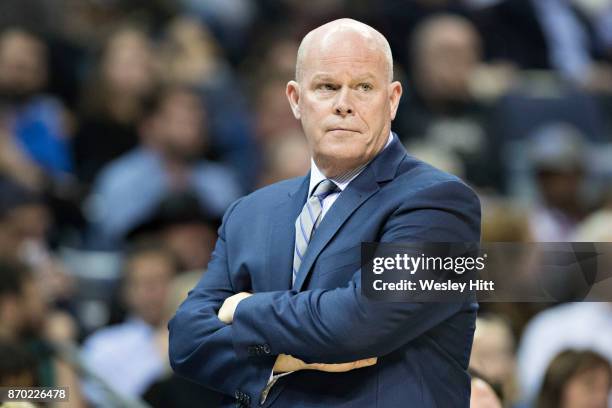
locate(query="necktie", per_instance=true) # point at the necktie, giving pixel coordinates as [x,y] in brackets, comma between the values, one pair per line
[309,220]
[306,223]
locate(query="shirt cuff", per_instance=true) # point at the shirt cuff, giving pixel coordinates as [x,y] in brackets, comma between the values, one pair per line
[273,379]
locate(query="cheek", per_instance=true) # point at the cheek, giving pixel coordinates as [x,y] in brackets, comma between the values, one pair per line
[574,394]
[375,112]
[313,110]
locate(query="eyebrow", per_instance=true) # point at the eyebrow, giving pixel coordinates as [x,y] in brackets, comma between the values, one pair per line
[327,77]
[322,77]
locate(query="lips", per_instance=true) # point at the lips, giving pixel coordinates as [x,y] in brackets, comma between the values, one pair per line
[342,129]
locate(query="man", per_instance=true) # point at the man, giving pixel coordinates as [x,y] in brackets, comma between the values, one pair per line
[564,327]
[39,142]
[279,317]
[132,348]
[443,111]
[27,319]
[168,160]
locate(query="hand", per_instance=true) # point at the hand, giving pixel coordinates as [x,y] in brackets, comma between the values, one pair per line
[285,363]
[226,313]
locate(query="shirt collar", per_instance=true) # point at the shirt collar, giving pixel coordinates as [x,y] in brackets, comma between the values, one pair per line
[343,180]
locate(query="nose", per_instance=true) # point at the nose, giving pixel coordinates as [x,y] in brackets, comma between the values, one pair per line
[342,104]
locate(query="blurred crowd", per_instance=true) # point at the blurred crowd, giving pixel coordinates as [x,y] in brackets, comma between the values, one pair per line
[128,127]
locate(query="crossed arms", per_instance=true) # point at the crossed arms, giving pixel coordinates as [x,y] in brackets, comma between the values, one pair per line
[315,326]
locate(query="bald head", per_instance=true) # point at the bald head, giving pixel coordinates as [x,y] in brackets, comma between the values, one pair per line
[340,33]
[344,94]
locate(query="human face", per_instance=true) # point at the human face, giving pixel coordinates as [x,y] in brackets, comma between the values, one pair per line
[148,281]
[447,61]
[344,101]
[23,65]
[128,65]
[588,389]
[181,126]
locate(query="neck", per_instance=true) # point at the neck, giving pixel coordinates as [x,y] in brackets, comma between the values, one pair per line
[332,167]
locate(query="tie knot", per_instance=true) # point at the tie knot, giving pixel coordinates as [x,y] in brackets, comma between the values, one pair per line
[324,188]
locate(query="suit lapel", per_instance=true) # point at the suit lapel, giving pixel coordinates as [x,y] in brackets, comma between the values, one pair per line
[282,237]
[349,200]
[381,169]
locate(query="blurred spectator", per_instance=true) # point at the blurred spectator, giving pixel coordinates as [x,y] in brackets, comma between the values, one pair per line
[173,390]
[13,161]
[493,355]
[576,379]
[569,36]
[24,226]
[128,356]
[507,221]
[24,220]
[229,19]
[571,45]
[447,50]
[190,56]
[582,326]
[274,117]
[113,102]
[184,228]
[558,157]
[599,15]
[504,221]
[23,305]
[168,160]
[25,318]
[441,110]
[398,22]
[17,366]
[37,122]
[286,158]
[597,227]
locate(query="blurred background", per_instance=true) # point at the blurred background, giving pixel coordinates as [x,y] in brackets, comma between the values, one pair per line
[128,127]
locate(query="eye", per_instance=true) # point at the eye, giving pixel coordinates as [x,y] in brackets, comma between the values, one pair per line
[326,87]
[364,86]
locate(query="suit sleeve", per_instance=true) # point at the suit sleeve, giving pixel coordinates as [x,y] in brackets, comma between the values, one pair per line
[341,325]
[201,345]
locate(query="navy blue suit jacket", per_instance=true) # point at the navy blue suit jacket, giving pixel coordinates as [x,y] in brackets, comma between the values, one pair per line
[422,348]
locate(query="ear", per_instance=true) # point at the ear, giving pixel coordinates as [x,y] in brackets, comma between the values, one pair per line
[395,93]
[293,95]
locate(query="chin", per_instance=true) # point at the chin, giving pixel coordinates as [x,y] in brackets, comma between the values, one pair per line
[343,149]
[341,158]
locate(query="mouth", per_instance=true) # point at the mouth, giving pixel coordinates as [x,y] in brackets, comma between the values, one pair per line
[341,129]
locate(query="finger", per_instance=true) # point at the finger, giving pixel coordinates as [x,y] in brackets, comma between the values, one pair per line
[343,367]
[366,362]
[332,368]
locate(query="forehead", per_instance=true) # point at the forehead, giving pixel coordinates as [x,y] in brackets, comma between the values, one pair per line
[344,53]
[19,45]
